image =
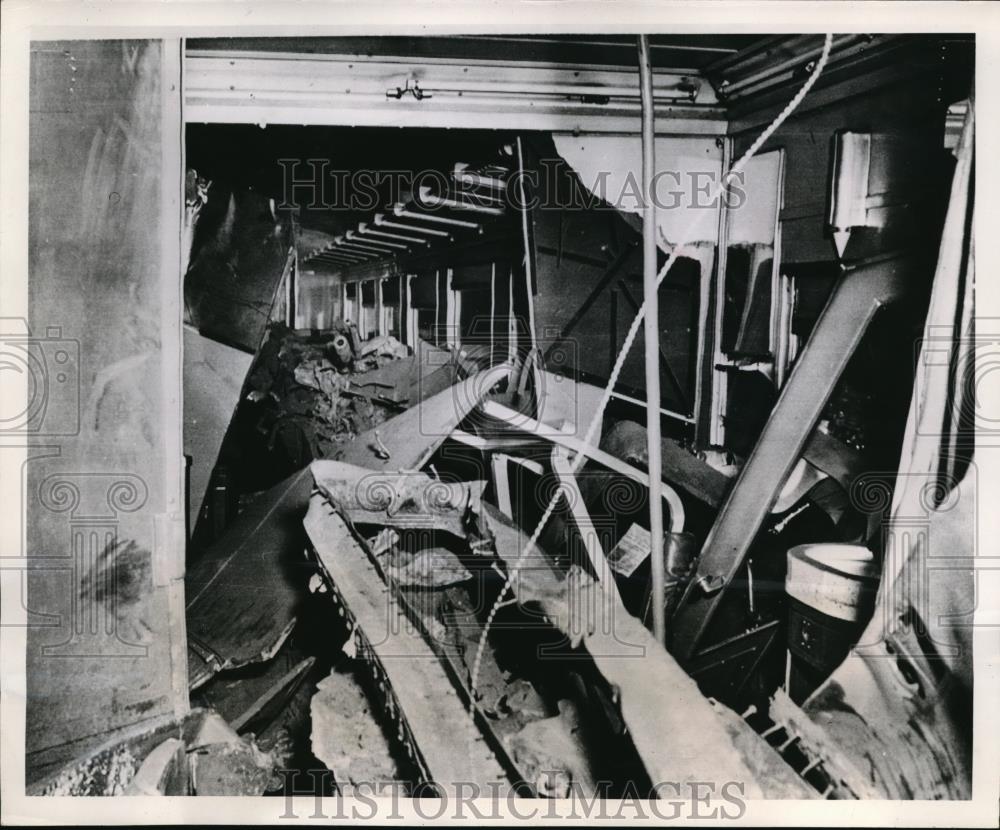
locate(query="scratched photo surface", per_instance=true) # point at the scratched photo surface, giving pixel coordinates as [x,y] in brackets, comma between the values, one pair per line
[501,420]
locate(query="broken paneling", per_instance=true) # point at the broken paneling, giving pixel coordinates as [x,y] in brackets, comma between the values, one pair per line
[213,379]
[243,592]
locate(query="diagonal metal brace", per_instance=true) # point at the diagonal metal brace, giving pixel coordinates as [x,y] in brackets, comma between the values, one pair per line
[860,292]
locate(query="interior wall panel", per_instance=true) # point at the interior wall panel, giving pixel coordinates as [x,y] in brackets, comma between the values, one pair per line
[105,529]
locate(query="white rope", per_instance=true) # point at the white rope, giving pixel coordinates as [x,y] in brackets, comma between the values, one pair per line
[596,421]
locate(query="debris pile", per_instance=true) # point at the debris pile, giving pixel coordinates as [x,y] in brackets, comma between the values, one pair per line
[200,754]
[312,393]
[347,735]
[435,542]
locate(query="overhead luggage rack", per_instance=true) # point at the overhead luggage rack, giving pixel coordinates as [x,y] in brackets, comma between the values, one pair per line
[470,198]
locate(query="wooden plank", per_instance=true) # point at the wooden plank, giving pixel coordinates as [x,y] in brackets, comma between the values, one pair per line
[428,709]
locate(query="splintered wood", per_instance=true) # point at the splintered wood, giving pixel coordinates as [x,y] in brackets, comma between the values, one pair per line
[431,720]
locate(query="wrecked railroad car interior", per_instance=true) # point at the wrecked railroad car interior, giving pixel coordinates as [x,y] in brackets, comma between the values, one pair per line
[548,413]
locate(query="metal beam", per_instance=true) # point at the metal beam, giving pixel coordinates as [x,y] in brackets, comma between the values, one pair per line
[650,284]
[226,86]
[859,294]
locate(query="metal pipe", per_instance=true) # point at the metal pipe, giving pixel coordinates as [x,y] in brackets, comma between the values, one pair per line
[382,222]
[347,250]
[652,342]
[365,231]
[326,256]
[354,236]
[336,258]
[479,180]
[360,248]
[432,200]
[333,251]
[401,211]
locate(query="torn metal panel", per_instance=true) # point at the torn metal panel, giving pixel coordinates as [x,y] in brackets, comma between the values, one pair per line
[240,253]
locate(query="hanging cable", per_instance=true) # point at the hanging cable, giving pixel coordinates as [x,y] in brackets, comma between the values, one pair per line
[598,416]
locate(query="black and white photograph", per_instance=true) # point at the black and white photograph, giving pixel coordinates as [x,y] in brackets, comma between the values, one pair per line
[550,412]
